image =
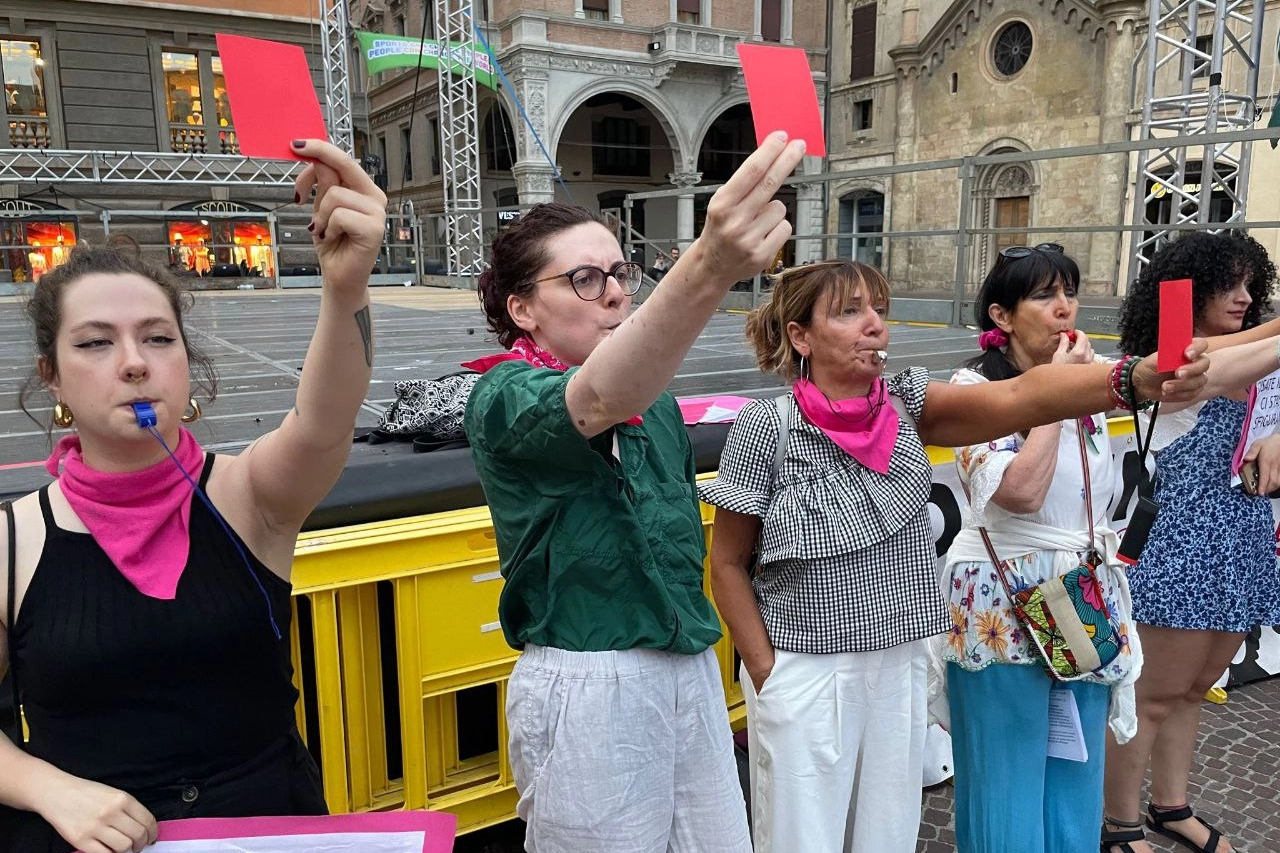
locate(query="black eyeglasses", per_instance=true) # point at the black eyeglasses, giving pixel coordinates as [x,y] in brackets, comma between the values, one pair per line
[589,282]
[1015,252]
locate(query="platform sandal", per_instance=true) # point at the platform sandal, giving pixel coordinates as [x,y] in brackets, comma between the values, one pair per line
[1158,817]
[1120,837]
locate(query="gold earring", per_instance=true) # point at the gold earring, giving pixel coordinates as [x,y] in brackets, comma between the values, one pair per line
[62,416]
[193,412]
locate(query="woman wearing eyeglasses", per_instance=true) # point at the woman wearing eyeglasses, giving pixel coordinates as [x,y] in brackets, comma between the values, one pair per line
[619,735]
[823,562]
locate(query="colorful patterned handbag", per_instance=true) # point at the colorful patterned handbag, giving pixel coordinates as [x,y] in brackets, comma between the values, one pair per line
[1066,617]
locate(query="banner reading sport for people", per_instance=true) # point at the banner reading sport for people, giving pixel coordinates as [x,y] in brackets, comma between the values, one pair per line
[383,52]
[1258,657]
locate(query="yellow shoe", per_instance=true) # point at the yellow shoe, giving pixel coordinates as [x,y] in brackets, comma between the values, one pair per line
[1216,695]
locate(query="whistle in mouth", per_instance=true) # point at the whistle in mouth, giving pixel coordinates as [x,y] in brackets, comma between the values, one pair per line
[145,413]
[882,356]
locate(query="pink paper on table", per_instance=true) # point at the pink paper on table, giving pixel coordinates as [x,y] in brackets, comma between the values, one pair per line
[1175,324]
[438,828]
[692,410]
[711,410]
[273,100]
[783,97]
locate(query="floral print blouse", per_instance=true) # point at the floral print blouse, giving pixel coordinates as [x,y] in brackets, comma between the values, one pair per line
[984,629]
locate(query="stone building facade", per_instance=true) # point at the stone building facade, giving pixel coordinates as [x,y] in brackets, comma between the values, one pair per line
[139,82]
[621,95]
[916,81]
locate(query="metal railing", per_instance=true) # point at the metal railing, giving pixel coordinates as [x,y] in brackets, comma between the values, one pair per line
[955,256]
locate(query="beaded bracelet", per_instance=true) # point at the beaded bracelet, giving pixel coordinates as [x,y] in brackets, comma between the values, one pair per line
[1128,390]
[1116,384]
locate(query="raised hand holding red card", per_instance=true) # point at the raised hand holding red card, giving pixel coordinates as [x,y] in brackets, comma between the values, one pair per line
[273,99]
[783,97]
[1176,322]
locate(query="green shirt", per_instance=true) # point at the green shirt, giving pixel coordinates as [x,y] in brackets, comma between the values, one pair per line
[598,552]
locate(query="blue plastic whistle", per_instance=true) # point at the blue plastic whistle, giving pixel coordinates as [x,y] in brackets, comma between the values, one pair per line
[145,414]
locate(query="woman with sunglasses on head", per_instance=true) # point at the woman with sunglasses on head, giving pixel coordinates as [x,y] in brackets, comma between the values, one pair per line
[149,631]
[1040,497]
[823,561]
[619,734]
[1208,572]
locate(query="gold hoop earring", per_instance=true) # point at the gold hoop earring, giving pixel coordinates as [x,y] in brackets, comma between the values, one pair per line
[193,412]
[62,415]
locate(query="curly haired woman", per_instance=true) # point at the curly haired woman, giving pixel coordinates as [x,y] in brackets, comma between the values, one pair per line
[1208,573]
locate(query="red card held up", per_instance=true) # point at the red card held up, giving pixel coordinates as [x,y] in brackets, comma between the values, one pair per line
[273,100]
[1175,324]
[783,97]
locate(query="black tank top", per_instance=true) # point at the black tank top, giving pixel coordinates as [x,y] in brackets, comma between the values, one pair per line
[136,692]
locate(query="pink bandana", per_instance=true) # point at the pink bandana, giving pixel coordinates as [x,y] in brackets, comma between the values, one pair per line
[139,518]
[864,427]
[524,349]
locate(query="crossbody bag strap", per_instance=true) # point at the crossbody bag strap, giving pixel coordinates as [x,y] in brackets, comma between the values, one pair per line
[10,616]
[1002,569]
[1088,487]
[783,403]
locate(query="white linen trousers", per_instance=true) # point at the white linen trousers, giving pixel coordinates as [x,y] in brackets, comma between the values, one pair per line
[837,746]
[624,752]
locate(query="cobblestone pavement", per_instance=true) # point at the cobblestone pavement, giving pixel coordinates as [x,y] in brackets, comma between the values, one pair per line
[1236,784]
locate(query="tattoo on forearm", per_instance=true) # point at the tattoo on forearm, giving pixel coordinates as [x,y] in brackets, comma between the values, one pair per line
[365,322]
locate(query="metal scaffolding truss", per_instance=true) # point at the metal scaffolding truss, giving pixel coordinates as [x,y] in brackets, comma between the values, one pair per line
[459,139]
[336,36]
[39,166]
[1189,43]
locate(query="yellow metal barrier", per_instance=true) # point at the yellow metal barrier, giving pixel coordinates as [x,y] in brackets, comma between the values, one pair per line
[422,592]
[442,575]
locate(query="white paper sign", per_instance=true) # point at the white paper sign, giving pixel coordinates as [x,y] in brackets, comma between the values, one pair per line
[1066,735]
[334,842]
[1261,419]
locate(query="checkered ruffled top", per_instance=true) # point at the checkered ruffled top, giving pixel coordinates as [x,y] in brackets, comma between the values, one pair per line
[847,557]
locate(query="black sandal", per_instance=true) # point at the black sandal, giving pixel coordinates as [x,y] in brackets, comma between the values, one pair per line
[1158,817]
[1121,836]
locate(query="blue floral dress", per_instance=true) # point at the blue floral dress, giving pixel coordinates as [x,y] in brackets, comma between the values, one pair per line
[1210,562]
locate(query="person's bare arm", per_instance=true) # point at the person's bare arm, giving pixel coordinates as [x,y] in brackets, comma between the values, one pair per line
[1262,331]
[286,472]
[745,227]
[956,415]
[733,541]
[1026,480]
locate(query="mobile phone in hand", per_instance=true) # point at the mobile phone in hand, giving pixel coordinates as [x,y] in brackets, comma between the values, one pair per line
[1249,479]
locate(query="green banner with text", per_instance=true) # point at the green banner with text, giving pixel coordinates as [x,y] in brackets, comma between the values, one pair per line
[384,52]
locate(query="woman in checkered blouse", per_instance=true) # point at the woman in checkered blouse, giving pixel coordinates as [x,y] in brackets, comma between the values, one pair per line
[830,621]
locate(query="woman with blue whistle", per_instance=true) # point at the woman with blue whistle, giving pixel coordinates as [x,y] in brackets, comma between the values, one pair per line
[147,620]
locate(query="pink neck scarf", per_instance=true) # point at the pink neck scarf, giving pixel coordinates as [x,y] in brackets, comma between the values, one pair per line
[524,349]
[864,427]
[141,518]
